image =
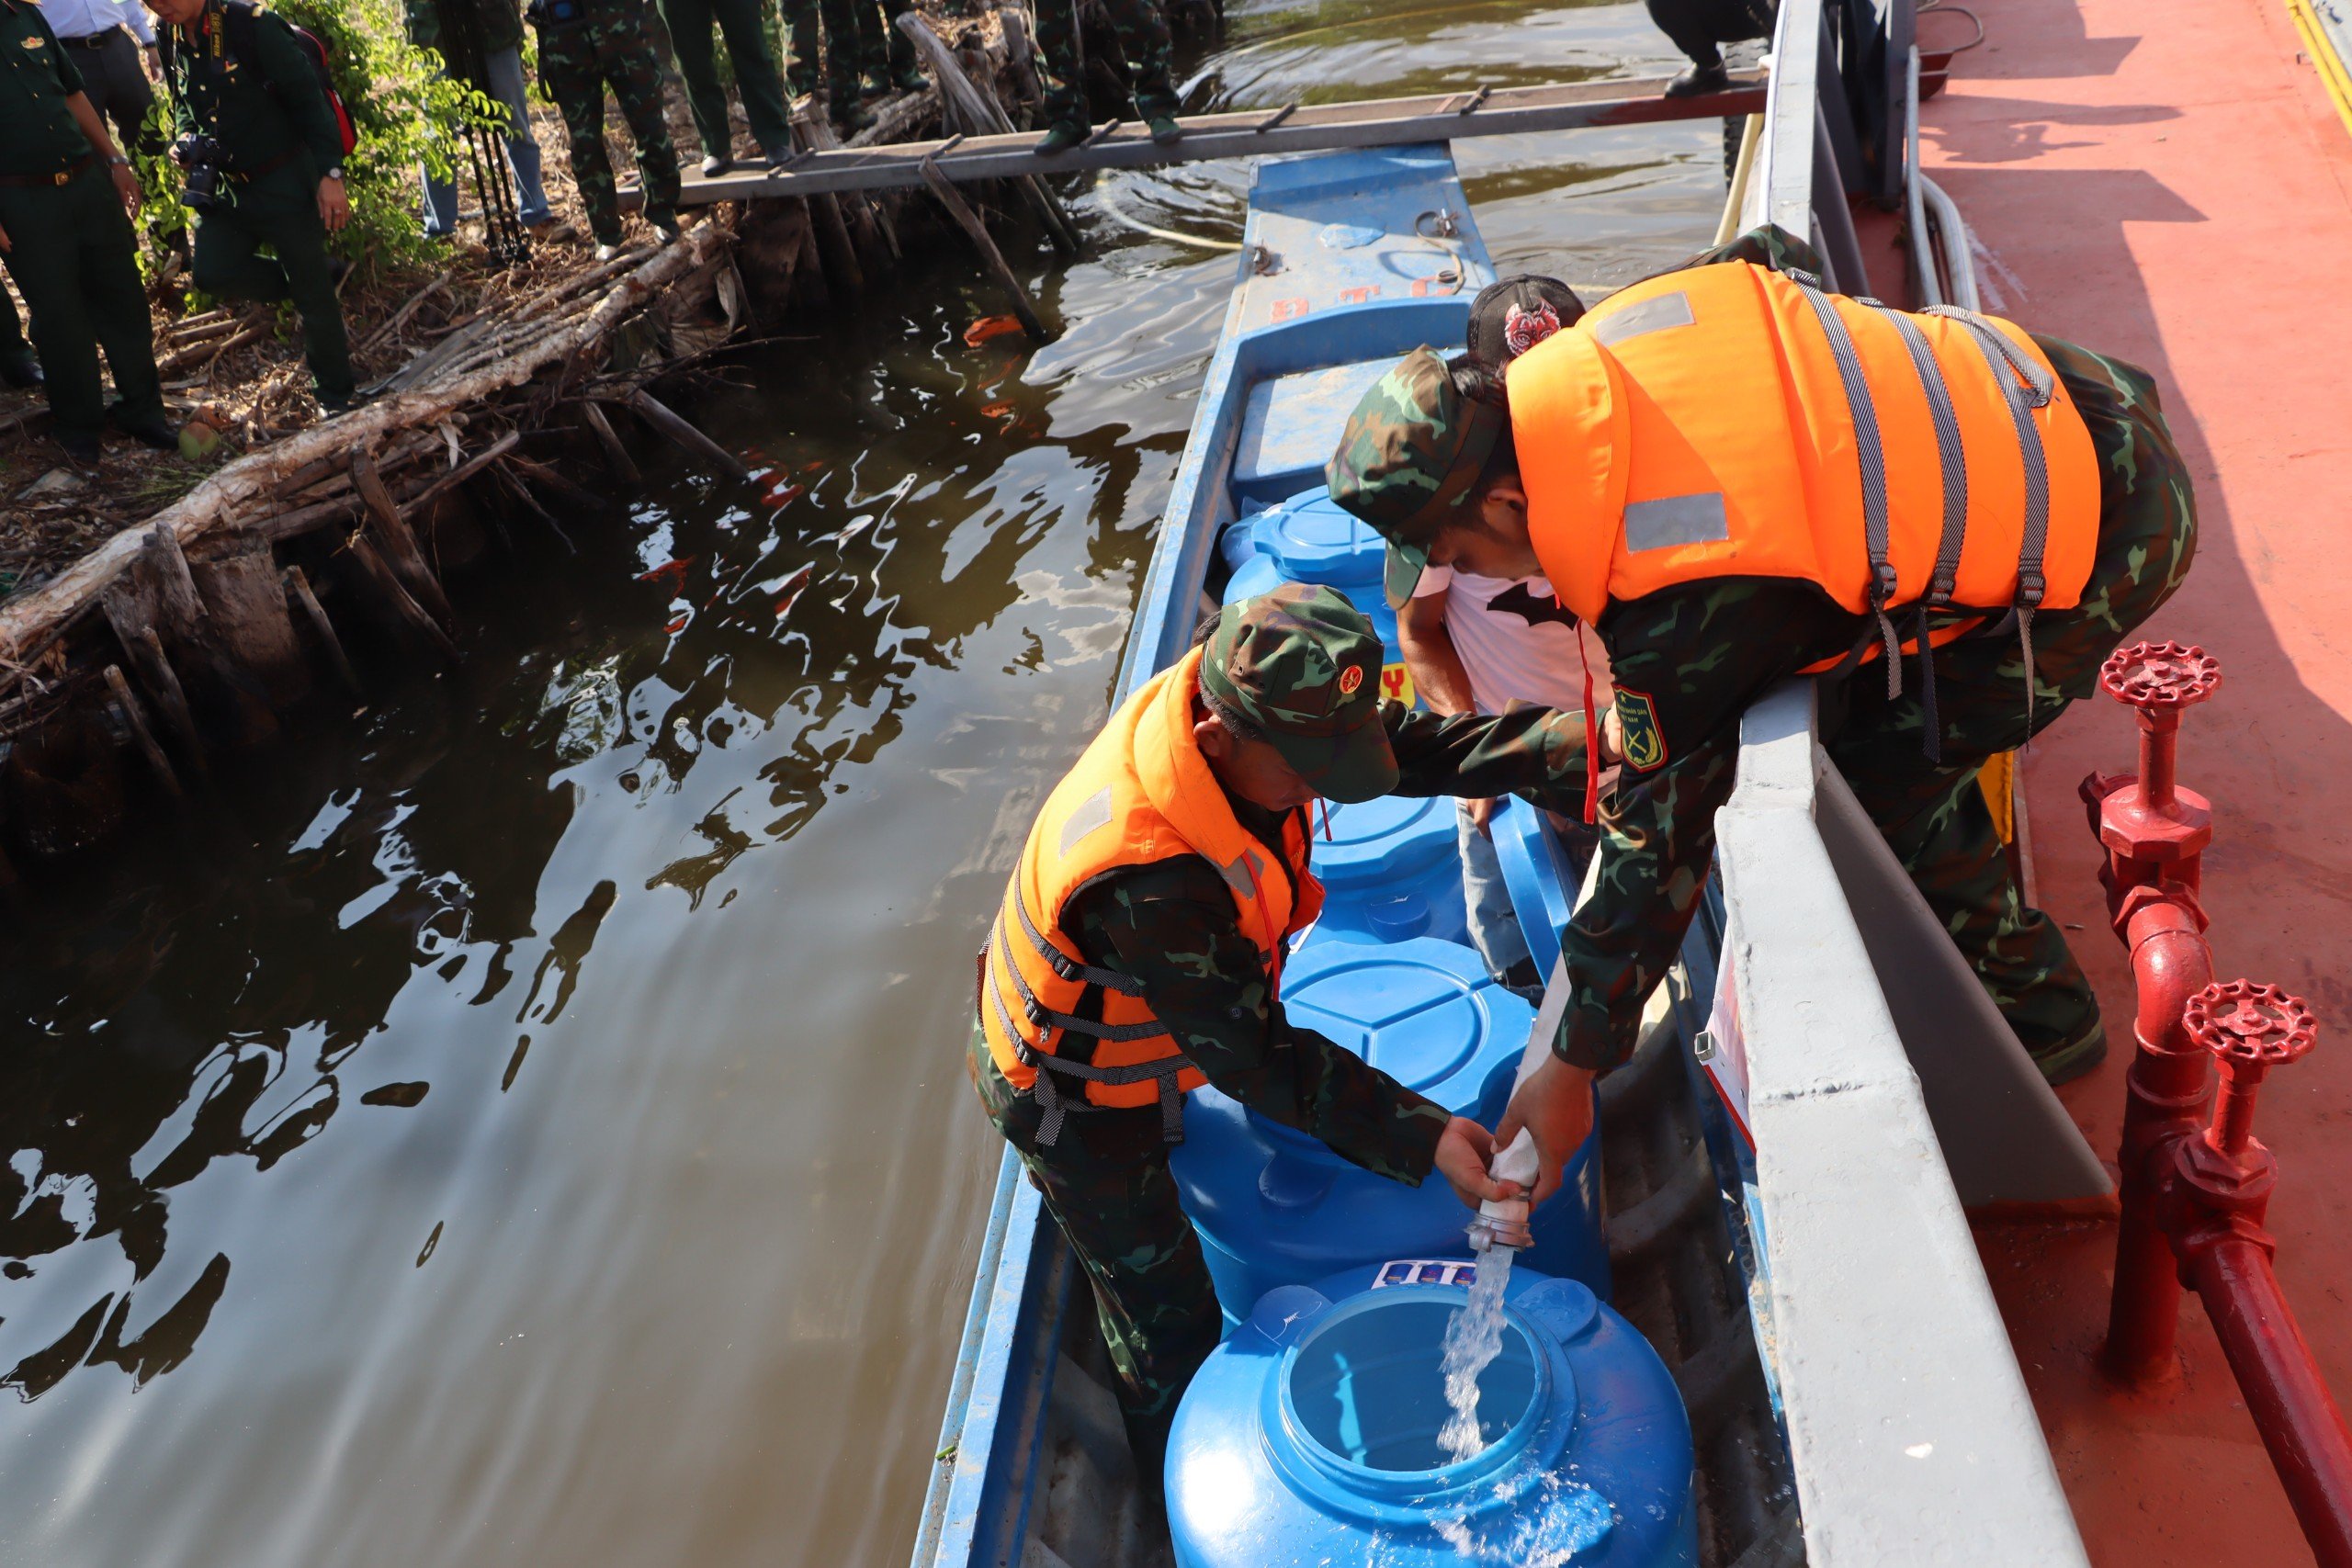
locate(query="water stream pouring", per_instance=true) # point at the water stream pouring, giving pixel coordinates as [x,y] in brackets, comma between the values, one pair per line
[1473,1336]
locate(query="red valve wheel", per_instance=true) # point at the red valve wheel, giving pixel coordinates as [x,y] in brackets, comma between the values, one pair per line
[2158,677]
[2249,1026]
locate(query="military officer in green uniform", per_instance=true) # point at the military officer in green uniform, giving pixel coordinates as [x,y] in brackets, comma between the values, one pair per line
[861,52]
[1143,36]
[264,161]
[65,199]
[586,46]
[743,24]
[1183,896]
[1690,657]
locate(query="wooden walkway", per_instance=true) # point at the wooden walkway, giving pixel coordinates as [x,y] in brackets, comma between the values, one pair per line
[1377,122]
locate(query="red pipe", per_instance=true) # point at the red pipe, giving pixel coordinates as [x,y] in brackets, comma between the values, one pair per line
[2167,1089]
[2300,1424]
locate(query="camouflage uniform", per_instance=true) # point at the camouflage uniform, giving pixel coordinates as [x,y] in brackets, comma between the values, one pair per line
[1172,928]
[610,46]
[873,45]
[1690,659]
[744,25]
[1143,37]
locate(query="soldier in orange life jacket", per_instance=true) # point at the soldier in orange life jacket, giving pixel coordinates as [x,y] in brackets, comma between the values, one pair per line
[1736,477]
[1138,953]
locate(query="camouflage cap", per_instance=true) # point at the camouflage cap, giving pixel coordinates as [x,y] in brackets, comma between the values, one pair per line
[1301,666]
[1410,453]
[1514,314]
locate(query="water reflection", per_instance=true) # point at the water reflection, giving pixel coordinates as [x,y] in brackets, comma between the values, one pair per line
[525,1123]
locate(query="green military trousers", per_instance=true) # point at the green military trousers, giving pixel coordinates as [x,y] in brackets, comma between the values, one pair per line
[1106,1183]
[859,36]
[1933,815]
[72,255]
[280,209]
[1143,36]
[576,64]
[744,25]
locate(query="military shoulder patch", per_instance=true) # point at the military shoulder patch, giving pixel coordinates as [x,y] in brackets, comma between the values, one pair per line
[1644,741]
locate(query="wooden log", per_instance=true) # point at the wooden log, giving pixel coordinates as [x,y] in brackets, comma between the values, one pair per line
[303,519]
[399,317]
[969,221]
[298,586]
[670,424]
[1020,53]
[811,292]
[179,608]
[249,620]
[140,733]
[615,455]
[815,132]
[541,474]
[505,444]
[404,606]
[34,620]
[399,540]
[127,612]
[981,115]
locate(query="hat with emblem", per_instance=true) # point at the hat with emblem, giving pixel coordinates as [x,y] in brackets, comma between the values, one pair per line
[1301,667]
[1512,315]
[1409,456]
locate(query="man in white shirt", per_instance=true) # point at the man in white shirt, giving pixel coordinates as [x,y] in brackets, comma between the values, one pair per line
[1487,645]
[113,45]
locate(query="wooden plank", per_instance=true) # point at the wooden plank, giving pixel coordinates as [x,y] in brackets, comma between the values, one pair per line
[140,733]
[977,233]
[400,540]
[1380,122]
[672,424]
[299,586]
[402,605]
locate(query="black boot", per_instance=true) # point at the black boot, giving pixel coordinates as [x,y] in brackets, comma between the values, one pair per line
[1699,79]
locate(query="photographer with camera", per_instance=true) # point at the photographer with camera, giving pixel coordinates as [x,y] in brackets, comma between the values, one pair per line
[262,148]
[66,194]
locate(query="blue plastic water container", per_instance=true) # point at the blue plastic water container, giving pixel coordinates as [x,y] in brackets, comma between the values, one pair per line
[1310,1437]
[1275,1206]
[1310,538]
[1391,869]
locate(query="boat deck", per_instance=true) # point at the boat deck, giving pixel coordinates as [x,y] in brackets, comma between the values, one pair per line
[2168,180]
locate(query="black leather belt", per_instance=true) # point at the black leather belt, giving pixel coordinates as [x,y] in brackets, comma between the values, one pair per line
[93,40]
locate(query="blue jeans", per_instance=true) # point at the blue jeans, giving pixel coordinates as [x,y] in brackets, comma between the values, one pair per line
[1494,924]
[504,69]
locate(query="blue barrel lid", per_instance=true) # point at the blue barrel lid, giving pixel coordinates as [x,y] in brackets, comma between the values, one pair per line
[1424,1011]
[1387,841]
[1314,539]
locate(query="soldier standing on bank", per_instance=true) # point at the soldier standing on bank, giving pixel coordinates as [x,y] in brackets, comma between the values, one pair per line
[1139,949]
[586,46]
[1143,35]
[743,24]
[66,196]
[262,152]
[861,54]
[1722,533]
[496,30]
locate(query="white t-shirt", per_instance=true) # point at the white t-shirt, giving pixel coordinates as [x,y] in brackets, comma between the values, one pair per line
[1516,643]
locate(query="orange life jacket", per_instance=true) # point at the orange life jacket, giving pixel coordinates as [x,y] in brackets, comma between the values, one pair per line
[1142,792]
[1728,421]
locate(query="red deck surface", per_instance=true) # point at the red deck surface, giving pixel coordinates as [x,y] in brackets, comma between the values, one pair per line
[2166,180]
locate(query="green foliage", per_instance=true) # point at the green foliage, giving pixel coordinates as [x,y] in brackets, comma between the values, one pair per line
[405,111]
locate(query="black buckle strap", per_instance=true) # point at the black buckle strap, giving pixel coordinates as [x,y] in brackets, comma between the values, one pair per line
[1871,458]
[1055,1105]
[1068,968]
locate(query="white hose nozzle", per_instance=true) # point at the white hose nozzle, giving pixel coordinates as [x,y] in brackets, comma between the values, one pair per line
[1502,1222]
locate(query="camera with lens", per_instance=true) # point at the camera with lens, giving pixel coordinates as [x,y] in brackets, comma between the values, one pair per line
[200,158]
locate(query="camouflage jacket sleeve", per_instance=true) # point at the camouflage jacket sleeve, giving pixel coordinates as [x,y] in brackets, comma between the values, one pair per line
[1172,928]
[1534,752]
[1688,661]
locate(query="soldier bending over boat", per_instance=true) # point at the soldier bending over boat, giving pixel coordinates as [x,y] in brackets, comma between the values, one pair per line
[1139,949]
[1736,479]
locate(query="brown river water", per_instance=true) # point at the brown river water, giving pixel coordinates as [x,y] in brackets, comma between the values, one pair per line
[526,1123]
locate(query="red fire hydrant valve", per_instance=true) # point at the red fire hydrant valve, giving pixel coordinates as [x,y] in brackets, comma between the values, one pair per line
[2154,821]
[2160,677]
[2249,1028]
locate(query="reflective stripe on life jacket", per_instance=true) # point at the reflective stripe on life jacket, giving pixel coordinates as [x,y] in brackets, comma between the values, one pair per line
[1142,792]
[1727,420]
